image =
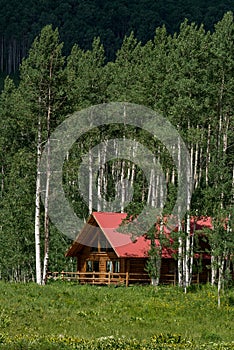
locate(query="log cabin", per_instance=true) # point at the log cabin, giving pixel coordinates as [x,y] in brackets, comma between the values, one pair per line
[106,256]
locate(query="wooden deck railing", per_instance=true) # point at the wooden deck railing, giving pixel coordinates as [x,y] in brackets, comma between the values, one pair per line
[107,278]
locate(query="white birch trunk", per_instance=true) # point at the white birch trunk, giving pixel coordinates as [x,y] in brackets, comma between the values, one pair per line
[46,214]
[150,188]
[173,169]
[99,181]
[134,149]
[221,261]
[200,161]
[180,238]
[113,176]
[208,154]
[103,173]
[195,175]
[173,176]
[155,187]
[37,207]
[191,257]
[167,176]
[105,186]
[47,191]
[90,182]
[213,269]
[180,255]
[188,246]
[159,260]
[187,255]
[224,150]
[100,184]
[122,182]
[219,149]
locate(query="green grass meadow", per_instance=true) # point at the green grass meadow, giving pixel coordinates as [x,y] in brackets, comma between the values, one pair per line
[63,315]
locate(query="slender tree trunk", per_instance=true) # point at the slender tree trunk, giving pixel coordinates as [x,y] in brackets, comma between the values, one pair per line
[133,165]
[188,246]
[101,177]
[220,277]
[180,255]
[200,161]
[208,153]
[37,205]
[122,181]
[99,180]
[180,238]
[187,255]
[90,182]
[47,191]
[191,256]
[156,189]
[156,280]
[105,183]
[173,170]
[195,175]
[127,190]
[46,214]
[213,269]
[224,127]
[150,187]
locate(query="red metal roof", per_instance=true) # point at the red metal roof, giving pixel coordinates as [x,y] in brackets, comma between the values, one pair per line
[201,223]
[109,219]
[122,243]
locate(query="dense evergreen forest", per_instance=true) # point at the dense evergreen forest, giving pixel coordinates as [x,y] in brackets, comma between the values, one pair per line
[187,77]
[80,21]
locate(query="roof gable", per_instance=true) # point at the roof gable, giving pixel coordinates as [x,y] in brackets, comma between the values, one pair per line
[121,243]
[108,223]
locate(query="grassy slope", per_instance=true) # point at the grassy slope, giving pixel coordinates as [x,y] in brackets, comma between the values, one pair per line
[135,312]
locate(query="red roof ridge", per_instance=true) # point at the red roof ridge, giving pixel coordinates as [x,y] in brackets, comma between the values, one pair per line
[103,231]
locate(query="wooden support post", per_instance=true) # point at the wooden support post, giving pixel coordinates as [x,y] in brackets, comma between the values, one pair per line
[109,278]
[127,279]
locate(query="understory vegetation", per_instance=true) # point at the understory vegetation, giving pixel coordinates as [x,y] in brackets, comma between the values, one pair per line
[64,315]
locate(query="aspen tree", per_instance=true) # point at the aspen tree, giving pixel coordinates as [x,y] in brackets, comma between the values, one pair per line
[42,86]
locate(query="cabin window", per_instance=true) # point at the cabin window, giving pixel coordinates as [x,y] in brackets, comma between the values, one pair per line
[116,266]
[112,266]
[109,266]
[92,265]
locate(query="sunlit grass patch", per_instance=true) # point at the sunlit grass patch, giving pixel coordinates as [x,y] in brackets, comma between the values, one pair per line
[136,312]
